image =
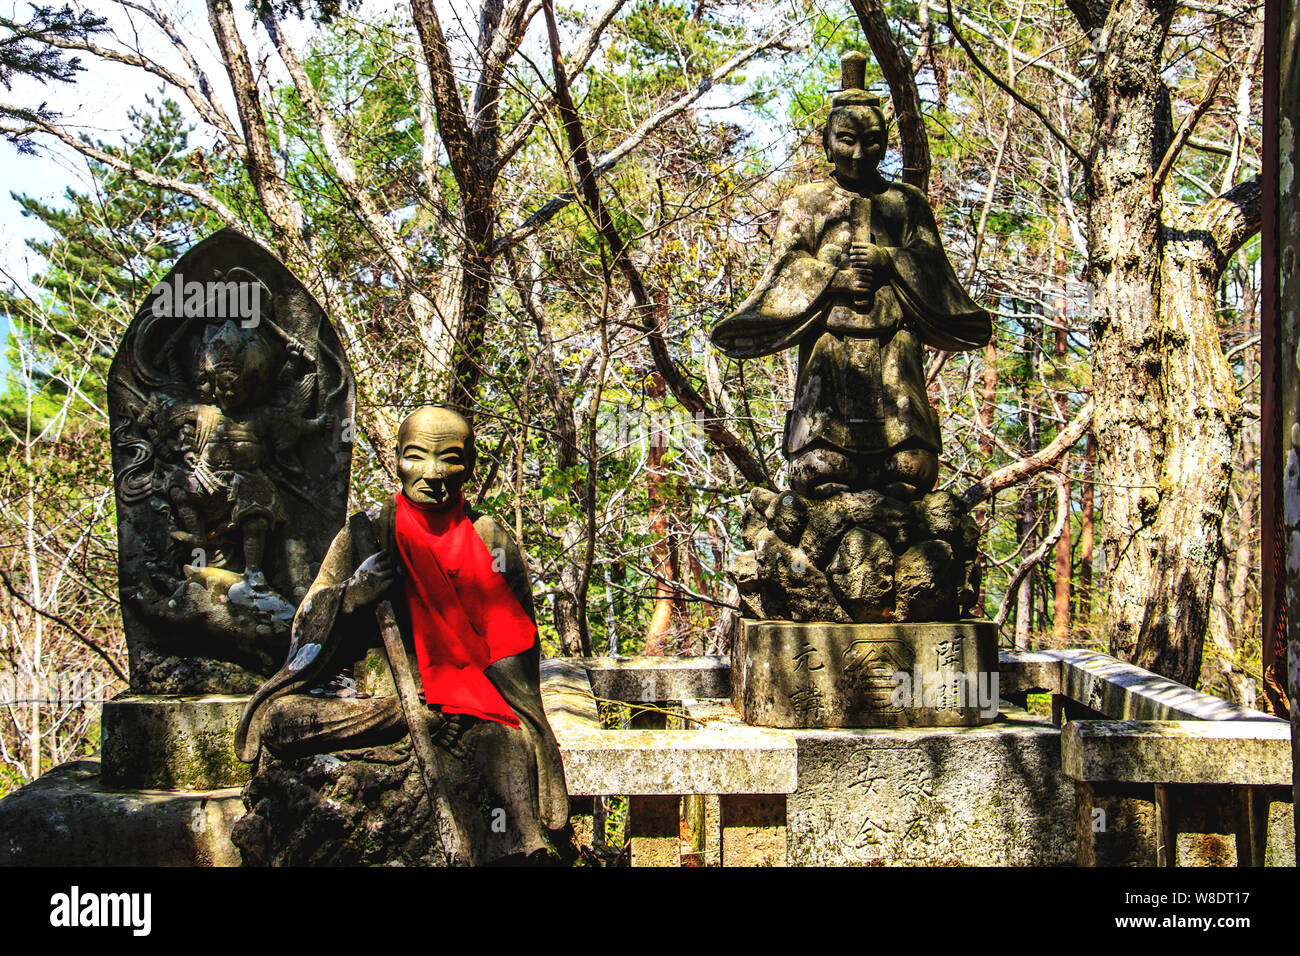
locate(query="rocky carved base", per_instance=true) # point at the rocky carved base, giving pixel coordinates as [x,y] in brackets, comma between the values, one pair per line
[364,808]
[860,557]
[369,808]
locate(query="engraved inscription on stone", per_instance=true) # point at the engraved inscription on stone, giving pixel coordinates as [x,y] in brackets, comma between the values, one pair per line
[870,668]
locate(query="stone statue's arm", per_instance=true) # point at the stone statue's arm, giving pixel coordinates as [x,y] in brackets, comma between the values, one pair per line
[933,299]
[286,427]
[788,297]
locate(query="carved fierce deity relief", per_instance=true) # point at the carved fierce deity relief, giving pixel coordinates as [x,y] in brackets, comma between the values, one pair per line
[229,399]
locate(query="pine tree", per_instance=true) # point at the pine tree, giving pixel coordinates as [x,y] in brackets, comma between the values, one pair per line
[28,49]
[109,246]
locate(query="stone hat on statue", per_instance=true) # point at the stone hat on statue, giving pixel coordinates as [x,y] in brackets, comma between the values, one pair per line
[853,82]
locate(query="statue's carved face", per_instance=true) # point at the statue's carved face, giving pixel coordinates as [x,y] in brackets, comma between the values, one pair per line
[855,142]
[234,367]
[435,456]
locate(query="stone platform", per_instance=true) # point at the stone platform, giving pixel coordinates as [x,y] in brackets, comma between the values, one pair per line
[938,674]
[1013,792]
[992,795]
[166,793]
[155,742]
[69,817]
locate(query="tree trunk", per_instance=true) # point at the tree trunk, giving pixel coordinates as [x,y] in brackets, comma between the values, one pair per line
[1063,571]
[1088,491]
[988,404]
[1167,411]
[663,630]
[1064,565]
[1201,415]
[278,201]
[1283,302]
[1032,326]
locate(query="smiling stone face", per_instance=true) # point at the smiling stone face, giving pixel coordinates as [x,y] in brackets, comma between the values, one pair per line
[435,456]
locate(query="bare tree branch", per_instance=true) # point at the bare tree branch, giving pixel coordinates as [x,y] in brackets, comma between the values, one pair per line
[516,138]
[1018,471]
[281,205]
[452,123]
[373,218]
[1047,544]
[1038,61]
[1225,222]
[1000,84]
[205,87]
[1185,131]
[552,207]
[67,625]
[652,307]
[195,192]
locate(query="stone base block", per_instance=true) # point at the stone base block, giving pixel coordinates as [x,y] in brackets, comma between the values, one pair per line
[787,674]
[1184,825]
[172,742]
[654,831]
[69,817]
[753,830]
[973,796]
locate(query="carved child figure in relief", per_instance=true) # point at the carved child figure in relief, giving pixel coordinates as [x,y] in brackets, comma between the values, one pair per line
[238,440]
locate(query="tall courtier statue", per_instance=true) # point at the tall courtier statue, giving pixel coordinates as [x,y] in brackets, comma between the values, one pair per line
[858,282]
[415,662]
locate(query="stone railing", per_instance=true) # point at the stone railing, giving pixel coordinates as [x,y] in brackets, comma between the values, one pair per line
[1151,762]
[678,781]
[1204,765]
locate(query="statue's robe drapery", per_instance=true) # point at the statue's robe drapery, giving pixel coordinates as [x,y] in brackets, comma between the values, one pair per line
[861,384]
[515,769]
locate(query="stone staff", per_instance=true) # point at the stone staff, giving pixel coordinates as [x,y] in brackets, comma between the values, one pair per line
[414,711]
[860,216]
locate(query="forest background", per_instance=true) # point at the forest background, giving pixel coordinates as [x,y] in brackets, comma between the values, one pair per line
[539,212]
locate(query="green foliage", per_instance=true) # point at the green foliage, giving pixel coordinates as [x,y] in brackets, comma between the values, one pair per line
[106,249]
[30,49]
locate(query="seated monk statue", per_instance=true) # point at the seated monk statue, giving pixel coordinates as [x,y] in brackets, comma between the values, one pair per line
[857,281]
[462,601]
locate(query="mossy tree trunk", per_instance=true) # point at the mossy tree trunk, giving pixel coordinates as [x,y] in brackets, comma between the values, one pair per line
[1167,409]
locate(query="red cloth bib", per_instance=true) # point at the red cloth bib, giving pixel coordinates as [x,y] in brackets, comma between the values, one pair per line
[463,613]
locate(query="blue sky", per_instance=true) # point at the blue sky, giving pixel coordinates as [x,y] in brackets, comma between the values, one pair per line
[96,104]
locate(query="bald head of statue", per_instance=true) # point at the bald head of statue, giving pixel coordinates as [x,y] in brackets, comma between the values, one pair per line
[435,455]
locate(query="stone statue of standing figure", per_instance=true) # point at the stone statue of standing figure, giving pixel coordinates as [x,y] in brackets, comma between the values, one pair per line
[857,282]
